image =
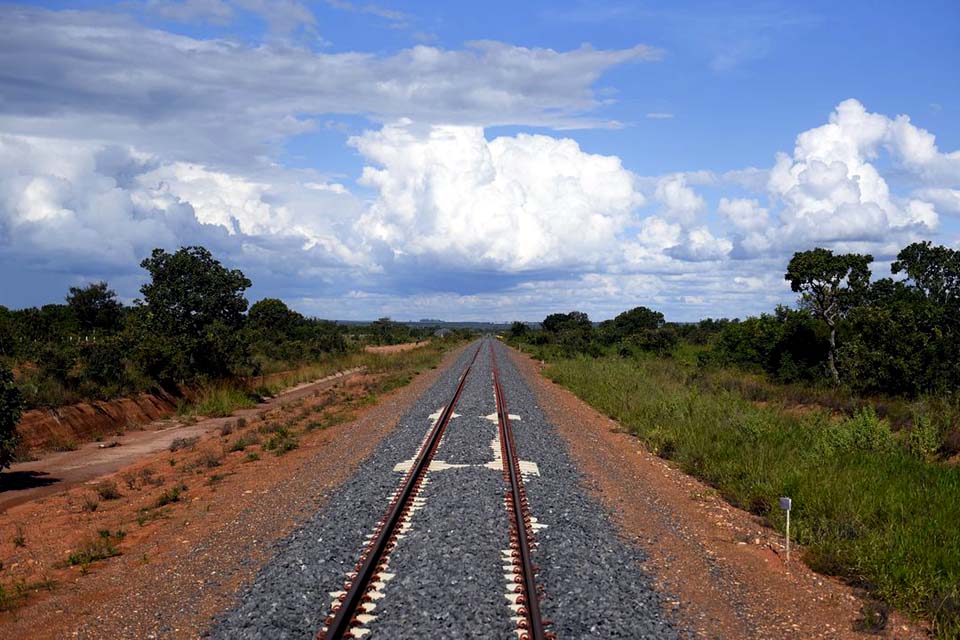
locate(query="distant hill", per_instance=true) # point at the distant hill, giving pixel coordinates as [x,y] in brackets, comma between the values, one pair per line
[491,327]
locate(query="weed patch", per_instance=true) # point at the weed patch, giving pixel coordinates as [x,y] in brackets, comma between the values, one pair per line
[99,548]
[13,595]
[171,495]
[184,443]
[107,490]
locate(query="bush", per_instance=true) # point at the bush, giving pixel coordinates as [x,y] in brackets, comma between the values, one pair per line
[99,548]
[923,439]
[107,490]
[864,431]
[184,443]
[11,405]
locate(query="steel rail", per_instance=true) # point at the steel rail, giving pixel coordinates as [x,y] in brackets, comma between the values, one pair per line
[343,617]
[520,515]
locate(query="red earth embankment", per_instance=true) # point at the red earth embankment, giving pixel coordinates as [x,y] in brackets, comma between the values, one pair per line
[45,429]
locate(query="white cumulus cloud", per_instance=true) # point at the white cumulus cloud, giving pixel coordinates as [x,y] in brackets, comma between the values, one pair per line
[831,190]
[512,203]
[680,202]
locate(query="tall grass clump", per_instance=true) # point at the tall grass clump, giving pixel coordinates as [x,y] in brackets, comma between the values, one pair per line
[221,399]
[868,505]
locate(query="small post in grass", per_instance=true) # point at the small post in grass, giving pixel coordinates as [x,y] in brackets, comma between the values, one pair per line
[785,504]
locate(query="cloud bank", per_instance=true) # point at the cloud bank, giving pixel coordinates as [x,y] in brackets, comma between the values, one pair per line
[116,138]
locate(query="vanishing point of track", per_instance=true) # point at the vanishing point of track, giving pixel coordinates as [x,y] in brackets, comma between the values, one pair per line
[350,611]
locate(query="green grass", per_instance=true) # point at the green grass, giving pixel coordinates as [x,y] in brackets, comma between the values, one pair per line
[865,508]
[171,495]
[13,595]
[220,399]
[100,548]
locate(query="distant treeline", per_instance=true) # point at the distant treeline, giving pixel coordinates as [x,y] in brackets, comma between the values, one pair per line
[192,325]
[898,337]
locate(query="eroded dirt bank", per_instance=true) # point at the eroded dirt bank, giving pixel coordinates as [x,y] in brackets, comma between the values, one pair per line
[724,566]
[45,429]
[52,472]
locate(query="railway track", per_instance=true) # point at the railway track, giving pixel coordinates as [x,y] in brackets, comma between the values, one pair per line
[353,607]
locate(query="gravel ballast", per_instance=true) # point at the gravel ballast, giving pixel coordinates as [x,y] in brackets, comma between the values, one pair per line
[448,577]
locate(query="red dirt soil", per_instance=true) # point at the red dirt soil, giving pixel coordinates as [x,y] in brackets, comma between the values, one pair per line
[47,428]
[182,563]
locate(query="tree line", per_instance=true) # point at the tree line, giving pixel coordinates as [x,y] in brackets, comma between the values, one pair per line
[191,325]
[893,336]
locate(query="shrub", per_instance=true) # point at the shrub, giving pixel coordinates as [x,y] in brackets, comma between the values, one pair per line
[281,442]
[184,443]
[107,490]
[99,548]
[173,494]
[211,458]
[11,404]
[244,441]
[923,439]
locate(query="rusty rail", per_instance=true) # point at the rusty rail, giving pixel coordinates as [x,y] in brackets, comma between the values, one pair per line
[343,617]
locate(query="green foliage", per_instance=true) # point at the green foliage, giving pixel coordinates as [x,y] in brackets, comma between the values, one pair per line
[864,431]
[518,329]
[385,332]
[100,548]
[924,438]
[867,510]
[575,321]
[95,307]
[195,306]
[221,399]
[282,441]
[935,271]
[789,345]
[636,321]
[11,404]
[171,495]
[830,285]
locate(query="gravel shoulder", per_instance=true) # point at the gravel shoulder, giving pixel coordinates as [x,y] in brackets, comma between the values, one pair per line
[724,567]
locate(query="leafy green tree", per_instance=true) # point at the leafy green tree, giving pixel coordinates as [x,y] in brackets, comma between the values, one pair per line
[11,404]
[636,321]
[386,331]
[933,270]
[830,285]
[273,316]
[194,306]
[518,329]
[95,307]
[7,337]
[560,322]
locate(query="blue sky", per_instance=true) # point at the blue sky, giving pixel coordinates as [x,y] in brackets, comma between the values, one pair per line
[474,161]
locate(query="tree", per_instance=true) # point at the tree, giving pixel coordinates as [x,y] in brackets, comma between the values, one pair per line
[273,319]
[934,270]
[634,322]
[95,307]
[560,322]
[830,286]
[7,340]
[11,404]
[194,307]
[518,329]
[386,331]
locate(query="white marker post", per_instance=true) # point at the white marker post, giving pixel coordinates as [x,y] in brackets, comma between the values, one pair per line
[785,504]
